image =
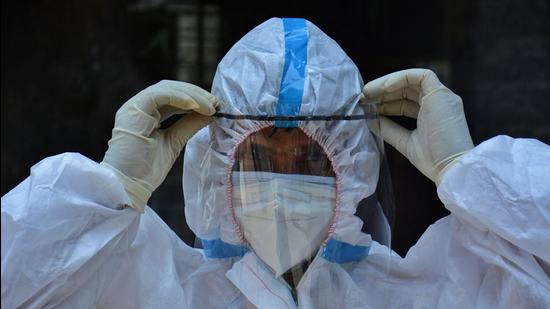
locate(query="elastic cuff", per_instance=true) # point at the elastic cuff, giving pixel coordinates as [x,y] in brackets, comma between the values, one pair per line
[447,164]
[136,192]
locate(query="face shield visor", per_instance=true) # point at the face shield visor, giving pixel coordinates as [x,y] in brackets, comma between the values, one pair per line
[284,192]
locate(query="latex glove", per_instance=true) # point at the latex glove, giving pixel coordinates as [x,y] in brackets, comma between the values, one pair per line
[441,136]
[140,153]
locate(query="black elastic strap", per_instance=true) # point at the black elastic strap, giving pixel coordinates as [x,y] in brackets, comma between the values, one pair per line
[295,118]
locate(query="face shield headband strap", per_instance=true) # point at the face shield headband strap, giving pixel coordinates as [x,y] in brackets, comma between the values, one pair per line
[366,116]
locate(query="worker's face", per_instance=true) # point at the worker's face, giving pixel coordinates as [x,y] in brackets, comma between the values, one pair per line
[285,209]
[282,150]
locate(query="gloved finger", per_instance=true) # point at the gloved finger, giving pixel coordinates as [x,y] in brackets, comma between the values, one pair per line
[423,80]
[207,102]
[150,100]
[153,98]
[168,111]
[375,88]
[182,130]
[400,94]
[395,135]
[404,107]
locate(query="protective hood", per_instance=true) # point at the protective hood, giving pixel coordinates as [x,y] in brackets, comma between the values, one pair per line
[283,67]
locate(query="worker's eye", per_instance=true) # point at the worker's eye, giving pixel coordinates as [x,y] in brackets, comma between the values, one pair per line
[315,156]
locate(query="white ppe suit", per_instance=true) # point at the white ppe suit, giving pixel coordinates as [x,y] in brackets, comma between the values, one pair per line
[69,242]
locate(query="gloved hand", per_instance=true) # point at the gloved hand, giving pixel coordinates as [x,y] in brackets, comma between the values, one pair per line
[441,136]
[140,153]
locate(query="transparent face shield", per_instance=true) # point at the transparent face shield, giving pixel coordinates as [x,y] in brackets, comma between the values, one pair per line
[378,210]
[284,193]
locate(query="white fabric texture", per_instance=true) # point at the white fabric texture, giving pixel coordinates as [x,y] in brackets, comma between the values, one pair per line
[67,244]
[247,81]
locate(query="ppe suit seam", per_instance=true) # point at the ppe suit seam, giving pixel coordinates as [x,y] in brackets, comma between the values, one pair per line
[264,284]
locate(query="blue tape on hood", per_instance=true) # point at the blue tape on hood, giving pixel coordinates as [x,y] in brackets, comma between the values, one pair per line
[216,248]
[292,82]
[340,252]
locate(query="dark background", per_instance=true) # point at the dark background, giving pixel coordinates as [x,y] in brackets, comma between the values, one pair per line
[68,65]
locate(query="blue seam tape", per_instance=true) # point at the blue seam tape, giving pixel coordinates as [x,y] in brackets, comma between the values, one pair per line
[340,252]
[292,82]
[216,248]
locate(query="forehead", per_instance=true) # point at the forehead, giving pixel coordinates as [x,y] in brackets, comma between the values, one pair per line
[284,151]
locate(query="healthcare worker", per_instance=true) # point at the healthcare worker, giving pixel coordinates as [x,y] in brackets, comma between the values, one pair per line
[273,196]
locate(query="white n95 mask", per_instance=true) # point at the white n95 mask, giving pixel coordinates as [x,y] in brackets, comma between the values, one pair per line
[283,217]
